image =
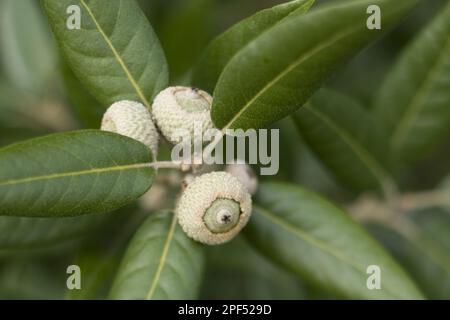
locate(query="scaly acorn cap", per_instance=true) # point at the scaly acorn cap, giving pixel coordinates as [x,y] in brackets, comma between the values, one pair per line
[214,208]
[245,174]
[132,119]
[178,108]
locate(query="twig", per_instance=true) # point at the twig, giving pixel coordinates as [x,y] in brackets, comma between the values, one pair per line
[422,200]
[165,165]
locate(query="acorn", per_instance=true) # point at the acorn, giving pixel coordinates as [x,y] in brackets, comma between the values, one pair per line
[214,208]
[132,119]
[177,109]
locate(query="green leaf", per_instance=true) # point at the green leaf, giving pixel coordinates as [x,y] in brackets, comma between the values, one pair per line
[100,255]
[283,67]
[97,269]
[72,173]
[17,233]
[28,54]
[435,225]
[413,100]
[345,138]
[237,271]
[425,253]
[323,245]
[115,54]
[161,262]
[235,39]
[32,278]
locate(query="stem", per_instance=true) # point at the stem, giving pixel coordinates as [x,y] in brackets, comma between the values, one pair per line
[393,212]
[165,165]
[421,200]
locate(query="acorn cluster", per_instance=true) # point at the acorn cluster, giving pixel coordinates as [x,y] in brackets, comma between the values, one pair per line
[213,207]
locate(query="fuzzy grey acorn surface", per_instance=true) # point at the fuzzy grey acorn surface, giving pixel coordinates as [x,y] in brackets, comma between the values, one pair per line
[132,119]
[177,109]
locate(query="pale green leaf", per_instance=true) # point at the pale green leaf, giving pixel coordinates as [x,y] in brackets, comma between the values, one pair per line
[237,271]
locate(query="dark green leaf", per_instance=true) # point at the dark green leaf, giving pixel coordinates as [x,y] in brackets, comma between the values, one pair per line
[17,233]
[414,100]
[115,54]
[321,243]
[236,271]
[32,278]
[86,108]
[425,253]
[235,39]
[161,262]
[97,270]
[283,67]
[346,139]
[72,173]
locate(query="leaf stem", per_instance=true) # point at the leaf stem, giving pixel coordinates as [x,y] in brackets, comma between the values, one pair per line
[427,199]
[165,165]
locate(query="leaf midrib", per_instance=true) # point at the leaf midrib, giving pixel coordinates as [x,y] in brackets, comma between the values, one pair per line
[162,259]
[364,155]
[74,173]
[119,59]
[295,65]
[417,102]
[290,67]
[287,70]
[311,240]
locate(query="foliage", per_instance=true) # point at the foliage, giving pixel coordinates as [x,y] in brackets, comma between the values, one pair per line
[84,187]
